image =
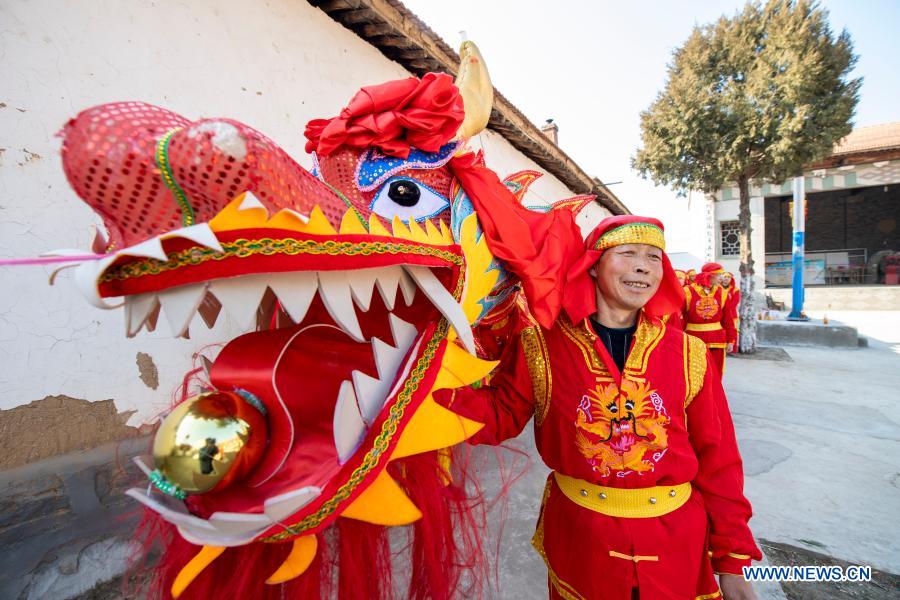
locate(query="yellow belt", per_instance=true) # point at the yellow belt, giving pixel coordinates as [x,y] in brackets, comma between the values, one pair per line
[628,503]
[702,326]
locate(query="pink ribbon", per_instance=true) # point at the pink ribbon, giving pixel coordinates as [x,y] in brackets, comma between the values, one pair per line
[48,260]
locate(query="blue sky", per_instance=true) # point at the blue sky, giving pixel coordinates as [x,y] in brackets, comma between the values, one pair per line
[594,66]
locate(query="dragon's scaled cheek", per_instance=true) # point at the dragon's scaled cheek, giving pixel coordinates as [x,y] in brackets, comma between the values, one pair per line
[209,441]
[407,199]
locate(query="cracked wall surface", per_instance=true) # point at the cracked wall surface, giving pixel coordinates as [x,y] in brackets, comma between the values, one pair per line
[57,425]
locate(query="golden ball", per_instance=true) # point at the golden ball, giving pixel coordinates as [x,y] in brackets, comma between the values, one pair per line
[209,441]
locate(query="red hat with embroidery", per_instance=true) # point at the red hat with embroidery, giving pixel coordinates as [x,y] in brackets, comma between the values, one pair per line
[579,298]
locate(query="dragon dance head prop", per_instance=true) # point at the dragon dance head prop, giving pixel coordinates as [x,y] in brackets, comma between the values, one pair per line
[358,284]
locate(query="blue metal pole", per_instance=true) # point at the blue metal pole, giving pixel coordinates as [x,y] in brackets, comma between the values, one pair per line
[798,249]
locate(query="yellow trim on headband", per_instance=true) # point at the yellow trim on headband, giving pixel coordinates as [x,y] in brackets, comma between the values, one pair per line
[632,233]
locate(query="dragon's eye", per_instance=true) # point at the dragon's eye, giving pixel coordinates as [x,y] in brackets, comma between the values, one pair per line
[404,193]
[629,405]
[408,199]
[612,407]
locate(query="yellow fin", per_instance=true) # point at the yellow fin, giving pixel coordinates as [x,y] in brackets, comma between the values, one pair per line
[351,223]
[194,567]
[480,277]
[418,234]
[400,229]
[302,554]
[459,368]
[434,235]
[433,427]
[383,503]
[318,223]
[234,217]
[445,233]
[288,219]
[376,227]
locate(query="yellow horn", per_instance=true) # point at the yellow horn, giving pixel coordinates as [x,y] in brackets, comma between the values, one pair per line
[475,86]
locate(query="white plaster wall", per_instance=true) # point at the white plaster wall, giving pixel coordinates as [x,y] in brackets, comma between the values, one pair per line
[273,65]
[728,211]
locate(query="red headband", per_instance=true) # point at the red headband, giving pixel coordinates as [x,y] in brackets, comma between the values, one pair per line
[579,299]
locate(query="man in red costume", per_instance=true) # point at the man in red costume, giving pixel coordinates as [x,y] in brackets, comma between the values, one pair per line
[676,319]
[733,305]
[707,314]
[645,499]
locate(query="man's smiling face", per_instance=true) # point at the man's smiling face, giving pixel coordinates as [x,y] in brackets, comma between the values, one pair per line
[629,275]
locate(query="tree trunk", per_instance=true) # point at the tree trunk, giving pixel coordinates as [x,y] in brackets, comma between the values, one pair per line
[747,309]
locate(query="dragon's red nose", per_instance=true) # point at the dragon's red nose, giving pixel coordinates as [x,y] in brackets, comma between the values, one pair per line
[146,170]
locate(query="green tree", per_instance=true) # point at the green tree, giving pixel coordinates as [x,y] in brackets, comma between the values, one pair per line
[754,96]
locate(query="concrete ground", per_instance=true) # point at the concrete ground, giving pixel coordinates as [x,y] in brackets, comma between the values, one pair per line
[819,437]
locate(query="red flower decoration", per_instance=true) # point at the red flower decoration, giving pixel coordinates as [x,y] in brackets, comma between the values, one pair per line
[393,117]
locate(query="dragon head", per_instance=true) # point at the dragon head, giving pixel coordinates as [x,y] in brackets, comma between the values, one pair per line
[358,285]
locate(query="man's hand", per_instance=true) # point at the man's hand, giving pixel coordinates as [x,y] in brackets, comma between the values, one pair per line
[729,348]
[735,587]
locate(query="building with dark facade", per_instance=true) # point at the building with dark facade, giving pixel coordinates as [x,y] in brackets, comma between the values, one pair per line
[852,217]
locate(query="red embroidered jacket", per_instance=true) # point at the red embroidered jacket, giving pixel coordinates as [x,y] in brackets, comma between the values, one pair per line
[733,306]
[708,315]
[664,421]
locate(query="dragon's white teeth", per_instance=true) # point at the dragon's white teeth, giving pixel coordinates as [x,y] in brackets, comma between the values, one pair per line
[445,303]
[404,333]
[335,289]
[152,318]
[295,291]
[137,309]
[180,304]
[362,283]
[282,506]
[222,528]
[250,202]
[370,394]
[241,297]
[151,248]
[387,359]
[387,281]
[200,234]
[349,427]
[408,287]
[172,510]
[230,523]
[206,364]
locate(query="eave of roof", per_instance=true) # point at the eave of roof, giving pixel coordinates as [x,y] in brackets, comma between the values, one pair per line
[864,145]
[402,37]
